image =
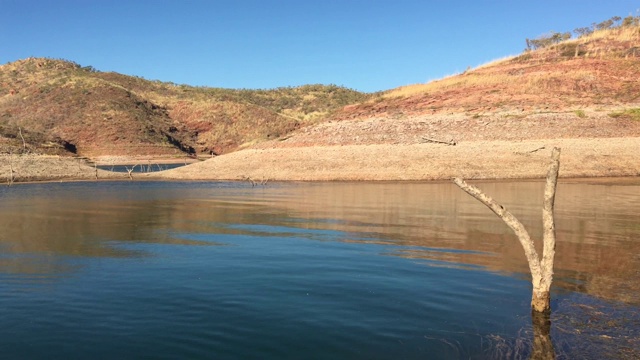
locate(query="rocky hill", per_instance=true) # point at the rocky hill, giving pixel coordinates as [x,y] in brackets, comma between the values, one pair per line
[499,120]
[595,71]
[58,107]
[558,88]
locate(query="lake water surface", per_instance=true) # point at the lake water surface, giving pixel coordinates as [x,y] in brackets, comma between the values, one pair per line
[309,270]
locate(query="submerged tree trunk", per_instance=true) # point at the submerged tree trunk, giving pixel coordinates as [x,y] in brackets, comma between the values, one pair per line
[542,344]
[541,269]
[129,171]
[10,180]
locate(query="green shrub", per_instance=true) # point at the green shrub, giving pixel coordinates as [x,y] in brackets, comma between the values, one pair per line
[630,114]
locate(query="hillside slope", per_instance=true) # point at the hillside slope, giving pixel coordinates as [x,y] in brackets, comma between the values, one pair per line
[496,121]
[591,72]
[499,120]
[59,107]
[580,88]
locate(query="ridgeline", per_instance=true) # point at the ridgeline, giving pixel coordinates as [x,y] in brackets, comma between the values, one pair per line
[60,107]
[493,121]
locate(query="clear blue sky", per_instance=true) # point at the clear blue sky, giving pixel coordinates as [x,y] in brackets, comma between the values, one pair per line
[367,45]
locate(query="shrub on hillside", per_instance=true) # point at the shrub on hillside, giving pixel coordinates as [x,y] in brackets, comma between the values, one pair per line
[630,114]
[547,40]
[555,37]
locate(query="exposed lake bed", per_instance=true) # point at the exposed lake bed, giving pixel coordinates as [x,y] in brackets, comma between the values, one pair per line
[358,270]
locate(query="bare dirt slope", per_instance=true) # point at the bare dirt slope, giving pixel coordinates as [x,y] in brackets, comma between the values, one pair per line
[58,107]
[415,148]
[595,71]
[581,94]
[420,147]
[504,117]
[471,160]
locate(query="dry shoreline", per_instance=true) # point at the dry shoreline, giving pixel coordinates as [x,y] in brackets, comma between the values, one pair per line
[491,160]
[527,159]
[493,146]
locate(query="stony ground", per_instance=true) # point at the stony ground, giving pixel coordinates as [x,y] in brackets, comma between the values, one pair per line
[421,148]
[514,126]
[499,145]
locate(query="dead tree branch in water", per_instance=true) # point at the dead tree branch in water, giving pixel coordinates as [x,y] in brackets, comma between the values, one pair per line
[10,179]
[130,170]
[253,182]
[530,151]
[543,348]
[541,269]
[549,231]
[250,180]
[450,142]
[24,143]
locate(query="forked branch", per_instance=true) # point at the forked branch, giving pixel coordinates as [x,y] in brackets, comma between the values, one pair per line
[130,170]
[511,221]
[541,269]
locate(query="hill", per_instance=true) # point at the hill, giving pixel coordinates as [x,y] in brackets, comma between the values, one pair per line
[495,121]
[597,70]
[578,88]
[58,107]
[499,120]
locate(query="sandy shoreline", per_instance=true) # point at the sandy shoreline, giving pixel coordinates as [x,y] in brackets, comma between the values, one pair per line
[601,157]
[493,146]
[526,159]
[28,168]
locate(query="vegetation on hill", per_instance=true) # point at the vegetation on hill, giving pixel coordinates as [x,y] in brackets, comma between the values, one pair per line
[60,107]
[599,68]
[555,37]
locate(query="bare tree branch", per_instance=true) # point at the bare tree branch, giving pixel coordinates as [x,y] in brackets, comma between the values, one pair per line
[10,180]
[450,142]
[541,269]
[513,223]
[24,143]
[548,224]
[130,170]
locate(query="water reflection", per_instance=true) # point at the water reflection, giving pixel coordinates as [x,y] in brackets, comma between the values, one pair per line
[375,265]
[597,225]
[542,344]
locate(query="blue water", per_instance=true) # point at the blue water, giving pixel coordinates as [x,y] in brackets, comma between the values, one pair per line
[224,270]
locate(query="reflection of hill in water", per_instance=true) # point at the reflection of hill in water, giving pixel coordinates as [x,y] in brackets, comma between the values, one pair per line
[598,227]
[46,224]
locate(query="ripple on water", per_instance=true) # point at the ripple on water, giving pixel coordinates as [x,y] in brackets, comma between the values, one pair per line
[219,270]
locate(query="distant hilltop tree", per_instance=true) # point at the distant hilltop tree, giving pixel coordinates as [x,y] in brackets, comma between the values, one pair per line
[583,31]
[607,24]
[555,37]
[547,40]
[631,21]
